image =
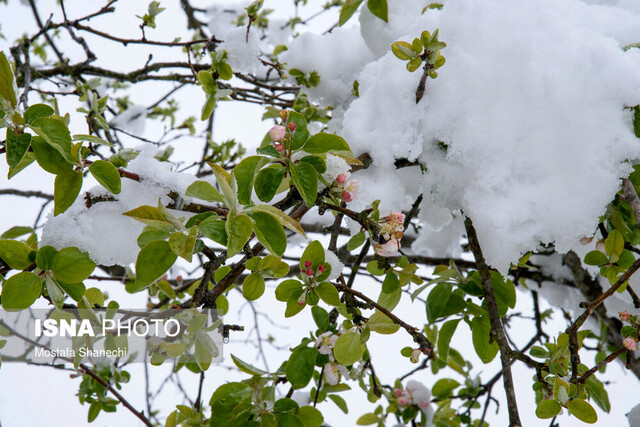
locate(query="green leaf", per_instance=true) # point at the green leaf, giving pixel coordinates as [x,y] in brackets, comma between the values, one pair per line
[92,139]
[614,243]
[48,157]
[214,229]
[414,64]
[368,419]
[305,178]
[56,134]
[347,11]
[310,416]
[20,291]
[36,111]
[107,175]
[437,301]
[314,253]
[481,334]
[44,256]
[71,265]
[300,366]
[582,410]
[548,408]
[403,51]
[224,179]
[253,287]
[28,158]
[239,228]
[340,403]
[379,8]
[356,241]
[301,134]
[75,290]
[282,217]
[325,142]
[444,387]
[595,258]
[598,393]
[245,173]
[269,232]
[505,290]
[321,317]
[16,231]
[17,147]
[268,181]
[65,190]
[182,244]
[293,307]
[152,262]
[246,367]
[317,162]
[328,293]
[444,338]
[15,254]
[150,216]
[348,349]
[94,411]
[382,324]
[150,234]
[7,84]
[286,288]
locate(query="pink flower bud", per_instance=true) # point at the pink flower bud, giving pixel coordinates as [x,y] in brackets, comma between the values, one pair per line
[624,315]
[403,401]
[284,115]
[307,264]
[398,392]
[321,268]
[424,404]
[277,133]
[292,126]
[302,299]
[346,196]
[629,343]
[309,272]
[279,147]
[342,178]
[179,279]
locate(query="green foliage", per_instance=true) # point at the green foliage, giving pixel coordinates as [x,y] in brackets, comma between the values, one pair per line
[20,291]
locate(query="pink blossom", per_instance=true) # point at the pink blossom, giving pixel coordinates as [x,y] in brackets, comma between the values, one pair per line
[629,343]
[404,401]
[325,342]
[346,196]
[624,315]
[388,249]
[309,272]
[321,268]
[302,299]
[332,372]
[292,126]
[398,392]
[279,147]
[307,264]
[342,178]
[277,133]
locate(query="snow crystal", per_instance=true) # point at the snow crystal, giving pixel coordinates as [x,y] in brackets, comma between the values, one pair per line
[525,129]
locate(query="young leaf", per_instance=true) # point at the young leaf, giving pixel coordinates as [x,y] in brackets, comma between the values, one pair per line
[16,231]
[48,157]
[269,232]
[348,349]
[379,8]
[595,258]
[17,146]
[152,262]
[253,287]
[204,191]
[70,265]
[214,229]
[305,178]
[403,50]
[268,181]
[481,335]
[239,228]
[301,133]
[286,288]
[347,11]
[325,142]
[300,366]
[36,111]
[437,301]
[444,338]
[328,293]
[582,410]
[282,217]
[15,254]
[245,173]
[356,241]
[183,244]
[107,175]
[56,134]
[224,181]
[7,84]
[21,291]
[382,324]
[66,188]
[150,216]
[548,408]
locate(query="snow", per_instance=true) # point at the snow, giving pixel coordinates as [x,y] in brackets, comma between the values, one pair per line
[530,105]
[634,416]
[243,52]
[131,120]
[109,237]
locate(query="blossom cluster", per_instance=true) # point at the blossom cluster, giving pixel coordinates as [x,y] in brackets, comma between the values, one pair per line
[278,133]
[630,342]
[332,369]
[345,188]
[391,229]
[414,394]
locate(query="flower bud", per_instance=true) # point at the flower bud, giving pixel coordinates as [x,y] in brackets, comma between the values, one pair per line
[398,392]
[346,196]
[321,268]
[307,264]
[279,147]
[277,133]
[629,343]
[309,272]
[302,299]
[292,127]
[342,178]
[284,115]
[624,315]
[403,401]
